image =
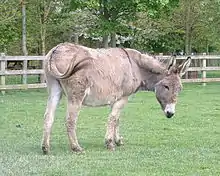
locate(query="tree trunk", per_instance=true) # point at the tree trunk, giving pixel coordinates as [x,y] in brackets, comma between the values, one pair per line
[24,41]
[207,46]
[76,38]
[113,39]
[106,16]
[43,37]
[44,11]
[188,38]
[187,30]
[24,38]
[41,77]
[105,41]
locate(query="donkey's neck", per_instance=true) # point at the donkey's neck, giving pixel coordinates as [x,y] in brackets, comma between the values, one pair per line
[149,70]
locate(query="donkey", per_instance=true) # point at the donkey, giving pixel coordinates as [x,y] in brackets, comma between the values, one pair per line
[99,77]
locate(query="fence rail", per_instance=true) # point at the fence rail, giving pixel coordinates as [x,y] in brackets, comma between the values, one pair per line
[24,72]
[203,68]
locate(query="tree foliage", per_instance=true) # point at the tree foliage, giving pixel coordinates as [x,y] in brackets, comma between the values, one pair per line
[147,25]
[9,26]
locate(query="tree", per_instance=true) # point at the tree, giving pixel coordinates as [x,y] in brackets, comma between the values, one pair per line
[116,17]
[45,7]
[24,40]
[153,31]
[40,17]
[9,9]
[9,23]
[110,16]
[207,35]
[148,25]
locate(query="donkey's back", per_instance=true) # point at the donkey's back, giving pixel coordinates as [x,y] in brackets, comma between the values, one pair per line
[105,75]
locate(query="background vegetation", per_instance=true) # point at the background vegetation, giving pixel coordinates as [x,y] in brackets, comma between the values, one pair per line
[152,26]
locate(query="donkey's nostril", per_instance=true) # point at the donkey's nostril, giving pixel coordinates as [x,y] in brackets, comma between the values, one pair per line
[169,114]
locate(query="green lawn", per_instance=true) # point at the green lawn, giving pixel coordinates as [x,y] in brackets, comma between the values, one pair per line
[31,79]
[210,74]
[187,145]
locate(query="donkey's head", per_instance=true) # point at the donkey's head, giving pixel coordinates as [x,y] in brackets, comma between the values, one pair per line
[170,86]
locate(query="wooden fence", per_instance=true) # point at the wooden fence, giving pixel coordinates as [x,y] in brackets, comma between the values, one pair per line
[5,72]
[24,72]
[200,65]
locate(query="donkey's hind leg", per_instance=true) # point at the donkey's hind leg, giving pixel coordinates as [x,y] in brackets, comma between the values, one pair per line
[55,92]
[112,136]
[76,93]
[73,109]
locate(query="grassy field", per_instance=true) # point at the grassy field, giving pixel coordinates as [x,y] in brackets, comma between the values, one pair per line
[187,145]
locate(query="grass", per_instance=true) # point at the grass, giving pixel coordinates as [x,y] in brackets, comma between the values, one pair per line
[210,74]
[31,79]
[186,145]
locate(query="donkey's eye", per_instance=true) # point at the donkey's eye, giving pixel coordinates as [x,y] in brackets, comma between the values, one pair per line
[166,87]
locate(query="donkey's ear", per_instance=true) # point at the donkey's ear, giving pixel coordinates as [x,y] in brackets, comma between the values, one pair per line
[182,69]
[171,63]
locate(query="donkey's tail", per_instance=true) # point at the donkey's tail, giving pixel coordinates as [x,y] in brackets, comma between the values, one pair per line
[52,67]
[72,63]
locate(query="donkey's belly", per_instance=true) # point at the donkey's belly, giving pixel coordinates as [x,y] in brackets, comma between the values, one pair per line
[91,101]
[94,98]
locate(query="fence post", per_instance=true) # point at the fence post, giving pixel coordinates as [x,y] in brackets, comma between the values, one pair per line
[204,71]
[24,76]
[42,77]
[3,65]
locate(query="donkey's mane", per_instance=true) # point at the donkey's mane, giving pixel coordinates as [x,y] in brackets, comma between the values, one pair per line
[158,59]
[148,62]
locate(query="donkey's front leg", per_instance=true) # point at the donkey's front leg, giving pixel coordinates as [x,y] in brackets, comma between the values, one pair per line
[71,120]
[112,133]
[118,138]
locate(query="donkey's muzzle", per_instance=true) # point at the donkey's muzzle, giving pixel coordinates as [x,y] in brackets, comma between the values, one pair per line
[169,110]
[169,114]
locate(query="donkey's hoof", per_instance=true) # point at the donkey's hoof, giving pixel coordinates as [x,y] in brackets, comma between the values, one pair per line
[78,150]
[45,150]
[110,145]
[119,142]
